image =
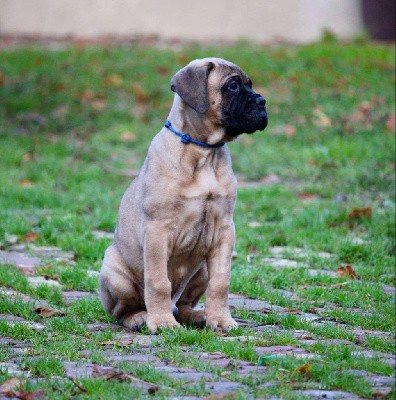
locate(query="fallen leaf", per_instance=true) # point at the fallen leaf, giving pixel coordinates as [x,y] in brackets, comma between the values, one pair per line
[304,368]
[139,93]
[365,107]
[298,312]
[391,124]
[290,130]
[347,272]
[306,196]
[30,237]
[24,395]
[321,119]
[360,213]
[25,183]
[115,80]
[86,95]
[2,78]
[48,312]
[305,337]
[162,70]
[99,104]
[111,374]
[127,137]
[379,395]
[361,115]
[28,157]
[153,389]
[270,179]
[7,387]
[123,342]
[284,130]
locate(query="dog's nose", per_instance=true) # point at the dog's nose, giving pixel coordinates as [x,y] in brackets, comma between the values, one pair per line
[260,101]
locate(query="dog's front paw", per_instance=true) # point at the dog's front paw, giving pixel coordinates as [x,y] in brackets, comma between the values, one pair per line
[224,322]
[161,321]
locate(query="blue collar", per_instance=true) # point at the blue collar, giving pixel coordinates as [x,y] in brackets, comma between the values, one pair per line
[187,139]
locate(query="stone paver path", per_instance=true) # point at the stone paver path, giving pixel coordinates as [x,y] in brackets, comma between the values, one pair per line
[223,374]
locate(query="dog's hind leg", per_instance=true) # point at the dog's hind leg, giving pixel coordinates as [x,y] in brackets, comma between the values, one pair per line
[121,296]
[188,300]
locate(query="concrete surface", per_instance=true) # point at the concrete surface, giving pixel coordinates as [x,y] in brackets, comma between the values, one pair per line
[258,20]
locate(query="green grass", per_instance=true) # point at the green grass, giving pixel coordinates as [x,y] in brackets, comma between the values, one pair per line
[74,121]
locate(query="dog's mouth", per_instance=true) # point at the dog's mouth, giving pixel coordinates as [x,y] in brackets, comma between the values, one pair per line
[252,117]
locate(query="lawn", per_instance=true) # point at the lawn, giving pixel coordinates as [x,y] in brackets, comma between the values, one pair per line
[314,221]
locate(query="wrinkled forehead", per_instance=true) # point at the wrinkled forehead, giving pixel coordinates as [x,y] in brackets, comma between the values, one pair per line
[227,70]
[223,69]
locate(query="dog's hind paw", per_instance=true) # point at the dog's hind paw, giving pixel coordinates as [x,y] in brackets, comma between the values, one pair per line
[135,321]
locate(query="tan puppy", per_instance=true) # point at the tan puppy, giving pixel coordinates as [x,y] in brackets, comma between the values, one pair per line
[175,231]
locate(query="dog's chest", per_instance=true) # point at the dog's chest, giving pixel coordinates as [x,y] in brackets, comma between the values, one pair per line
[207,203]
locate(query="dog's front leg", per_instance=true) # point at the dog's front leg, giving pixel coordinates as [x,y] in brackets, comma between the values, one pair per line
[219,265]
[157,287]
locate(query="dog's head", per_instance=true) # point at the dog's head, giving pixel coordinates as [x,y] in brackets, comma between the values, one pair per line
[223,94]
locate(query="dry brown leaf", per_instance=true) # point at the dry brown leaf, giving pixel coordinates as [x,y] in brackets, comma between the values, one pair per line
[139,93]
[123,342]
[305,196]
[360,213]
[127,137]
[48,312]
[305,337]
[284,130]
[31,236]
[321,119]
[2,78]
[8,387]
[270,179]
[99,104]
[115,80]
[391,124]
[162,70]
[86,95]
[290,311]
[347,272]
[24,395]
[111,374]
[365,107]
[304,368]
[290,130]
[25,183]
[28,157]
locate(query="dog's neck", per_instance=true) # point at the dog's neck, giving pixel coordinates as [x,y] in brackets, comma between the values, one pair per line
[186,120]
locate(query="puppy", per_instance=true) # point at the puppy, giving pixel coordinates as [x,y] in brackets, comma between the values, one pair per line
[175,232]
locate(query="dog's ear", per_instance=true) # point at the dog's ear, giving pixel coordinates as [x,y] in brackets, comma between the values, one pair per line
[191,84]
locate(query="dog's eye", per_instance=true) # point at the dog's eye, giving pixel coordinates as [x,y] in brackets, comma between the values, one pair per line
[233,86]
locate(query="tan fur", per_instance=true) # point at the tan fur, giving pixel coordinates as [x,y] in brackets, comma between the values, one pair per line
[175,231]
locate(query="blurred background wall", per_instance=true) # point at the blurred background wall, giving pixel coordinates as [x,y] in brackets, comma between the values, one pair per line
[257,20]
